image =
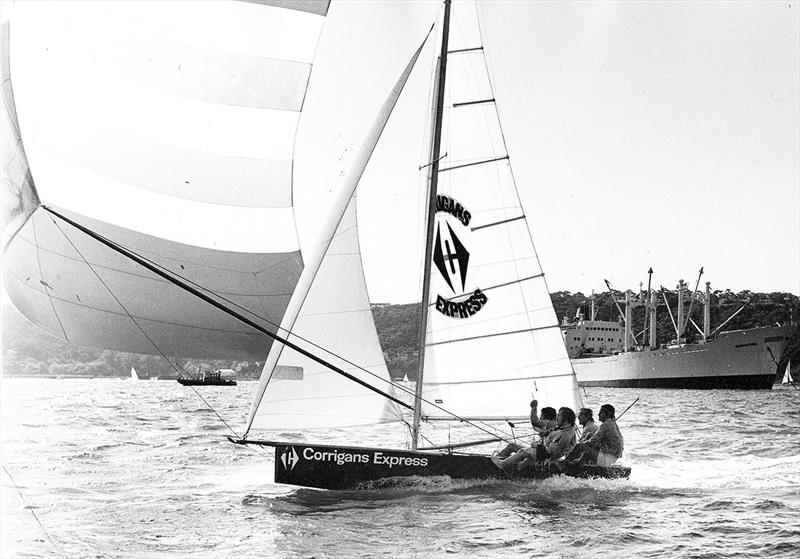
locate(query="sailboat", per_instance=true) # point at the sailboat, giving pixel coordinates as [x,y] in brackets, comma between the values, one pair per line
[220,265]
[134,374]
[787,375]
[490,337]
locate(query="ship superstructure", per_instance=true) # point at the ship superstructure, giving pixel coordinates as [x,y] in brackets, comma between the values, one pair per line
[610,353]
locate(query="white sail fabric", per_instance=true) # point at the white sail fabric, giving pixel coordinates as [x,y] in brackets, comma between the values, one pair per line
[329,315]
[19,198]
[492,337]
[336,314]
[168,127]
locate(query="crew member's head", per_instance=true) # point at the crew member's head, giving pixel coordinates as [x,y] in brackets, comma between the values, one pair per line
[585,415]
[566,417]
[606,412]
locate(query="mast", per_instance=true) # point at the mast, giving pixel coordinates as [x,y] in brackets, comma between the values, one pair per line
[691,303]
[433,179]
[629,342]
[647,304]
[653,321]
[679,320]
[707,313]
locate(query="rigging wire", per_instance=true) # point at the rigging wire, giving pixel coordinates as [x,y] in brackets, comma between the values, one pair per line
[149,339]
[33,512]
[43,282]
[130,254]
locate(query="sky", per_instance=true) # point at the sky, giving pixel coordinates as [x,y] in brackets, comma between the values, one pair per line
[652,134]
[641,134]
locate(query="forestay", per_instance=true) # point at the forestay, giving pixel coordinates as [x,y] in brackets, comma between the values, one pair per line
[169,128]
[492,338]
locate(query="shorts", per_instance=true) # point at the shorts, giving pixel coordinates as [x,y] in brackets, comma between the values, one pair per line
[606,460]
[538,452]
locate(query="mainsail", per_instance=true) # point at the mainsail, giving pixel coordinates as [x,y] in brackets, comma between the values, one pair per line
[492,337]
[168,128]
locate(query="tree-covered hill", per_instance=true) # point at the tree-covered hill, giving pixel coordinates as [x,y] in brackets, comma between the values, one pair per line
[398,331]
[27,351]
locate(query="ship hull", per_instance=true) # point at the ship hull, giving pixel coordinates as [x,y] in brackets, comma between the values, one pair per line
[743,359]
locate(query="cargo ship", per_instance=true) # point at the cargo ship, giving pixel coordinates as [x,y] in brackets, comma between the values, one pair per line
[605,353]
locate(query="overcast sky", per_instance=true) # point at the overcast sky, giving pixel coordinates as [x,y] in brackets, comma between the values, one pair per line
[652,134]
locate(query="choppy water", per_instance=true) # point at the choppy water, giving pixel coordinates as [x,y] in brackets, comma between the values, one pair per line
[115,468]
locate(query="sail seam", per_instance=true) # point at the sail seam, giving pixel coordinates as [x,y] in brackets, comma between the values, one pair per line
[150,320]
[43,281]
[495,335]
[481,162]
[288,257]
[498,223]
[144,276]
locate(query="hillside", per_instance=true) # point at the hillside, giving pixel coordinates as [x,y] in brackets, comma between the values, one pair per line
[27,351]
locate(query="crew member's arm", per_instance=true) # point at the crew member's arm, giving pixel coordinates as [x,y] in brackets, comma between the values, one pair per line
[537,424]
[601,433]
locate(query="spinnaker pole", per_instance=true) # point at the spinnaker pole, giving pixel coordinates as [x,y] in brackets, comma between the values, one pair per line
[433,179]
[173,279]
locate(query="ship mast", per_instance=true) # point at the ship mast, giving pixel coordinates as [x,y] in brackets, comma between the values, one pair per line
[433,179]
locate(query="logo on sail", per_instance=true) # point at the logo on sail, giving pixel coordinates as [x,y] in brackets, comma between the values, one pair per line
[451,257]
[289,458]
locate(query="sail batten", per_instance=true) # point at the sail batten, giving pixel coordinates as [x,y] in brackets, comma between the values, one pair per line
[509,220]
[473,163]
[520,280]
[496,378]
[493,334]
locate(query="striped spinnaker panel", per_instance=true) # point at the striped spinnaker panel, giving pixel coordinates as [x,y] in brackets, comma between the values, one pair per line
[168,127]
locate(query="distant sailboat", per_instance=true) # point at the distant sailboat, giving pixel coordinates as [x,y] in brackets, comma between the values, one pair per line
[787,375]
[134,374]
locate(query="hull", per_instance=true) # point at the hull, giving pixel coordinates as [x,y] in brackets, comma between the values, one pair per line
[744,359]
[337,467]
[197,382]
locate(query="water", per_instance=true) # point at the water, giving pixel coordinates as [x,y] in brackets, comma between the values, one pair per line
[116,468]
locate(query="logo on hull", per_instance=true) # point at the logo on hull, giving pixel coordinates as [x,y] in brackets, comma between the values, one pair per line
[289,458]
